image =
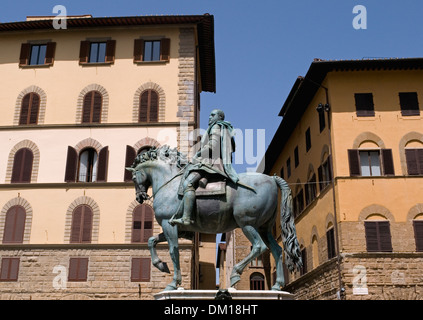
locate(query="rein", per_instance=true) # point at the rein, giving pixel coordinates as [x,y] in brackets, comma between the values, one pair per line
[175,176]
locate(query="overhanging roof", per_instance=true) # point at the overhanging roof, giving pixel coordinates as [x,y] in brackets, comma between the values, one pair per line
[205,30]
[305,88]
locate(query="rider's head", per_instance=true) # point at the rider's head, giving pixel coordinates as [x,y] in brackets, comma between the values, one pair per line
[216,115]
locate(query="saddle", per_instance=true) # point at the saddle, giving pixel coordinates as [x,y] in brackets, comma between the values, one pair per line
[215,186]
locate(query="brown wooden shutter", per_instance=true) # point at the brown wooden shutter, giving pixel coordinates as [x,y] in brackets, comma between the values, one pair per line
[414,158]
[82,223]
[110,51]
[78,269]
[22,166]
[418,234]
[14,226]
[50,52]
[25,54]
[23,119]
[364,104]
[97,103]
[84,52]
[154,106]
[140,269]
[354,161]
[76,225]
[136,225]
[29,109]
[147,230]
[9,269]
[388,162]
[330,238]
[87,107]
[165,49]
[143,112]
[409,104]
[378,236]
[129,160]
[138,50]
[103,159]
[71,165]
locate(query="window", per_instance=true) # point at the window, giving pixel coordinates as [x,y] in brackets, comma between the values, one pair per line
[256,281]
[149,106]
[94,52]
[371,162]
[88,166]
[296,157]
[22,166]
[414,158]
[409,104]
[330,238]
[14,226]
[257,262]
[142,223]
[37,54]
[418,234]
[308,139]
[282,173]
[288,167]
[322,120]
[151,50]
[311,190]
[303,269]
[9,269]
[325,174]
[92,105]
[140,269]
[378,236]
[82,223]
[87,171]
[298,203]
[78,269]
[29,109]
[364,105]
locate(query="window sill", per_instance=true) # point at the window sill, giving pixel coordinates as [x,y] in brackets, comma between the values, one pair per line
[96,64]
[151,62]
[36,66]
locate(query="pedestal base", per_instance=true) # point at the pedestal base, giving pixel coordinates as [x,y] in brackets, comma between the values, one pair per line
[182,294]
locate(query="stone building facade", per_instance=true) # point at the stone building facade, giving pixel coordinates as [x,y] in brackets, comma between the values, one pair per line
[77,106]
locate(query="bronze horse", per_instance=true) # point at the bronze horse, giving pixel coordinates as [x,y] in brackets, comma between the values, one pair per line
[254,211]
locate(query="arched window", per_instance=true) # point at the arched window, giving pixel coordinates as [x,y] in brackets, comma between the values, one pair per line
[92,107]
[29,109]
[142,223]
[14,225]
[87,170]
[22,166]
[418,232]
[256,281]
[82,223]
[149,106]
[378,234]
[414,158]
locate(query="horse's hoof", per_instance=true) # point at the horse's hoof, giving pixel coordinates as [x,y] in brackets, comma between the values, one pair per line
[170,287]
[162,266]
[276,287]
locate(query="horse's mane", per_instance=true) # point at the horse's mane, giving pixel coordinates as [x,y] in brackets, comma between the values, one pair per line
[164,153]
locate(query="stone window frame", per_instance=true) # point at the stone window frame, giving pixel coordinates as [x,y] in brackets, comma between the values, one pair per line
[104,106]
[18,201]
[43,103]
[162,101]
[35,163]
[83,200]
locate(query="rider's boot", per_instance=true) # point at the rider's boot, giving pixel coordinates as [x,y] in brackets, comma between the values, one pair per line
[189,201]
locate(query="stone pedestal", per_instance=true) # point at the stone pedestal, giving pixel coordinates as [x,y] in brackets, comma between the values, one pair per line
[182,294]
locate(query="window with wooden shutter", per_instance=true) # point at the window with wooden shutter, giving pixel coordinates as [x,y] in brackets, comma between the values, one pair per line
[22,166]
[129,160]
[308,139]
[330,239]
[151,50]
[364,105]
[82,223]
[9,269]
[418,234]
[92,105]
[325,173]
[87,167]
[311,190]
[30,108]
[25,54]
[103,163]
[36,54]
[388,162]
[140,269]
[78,269]
[409,104]
[142,223]
[370,163]
[149,106]
[97,52]
[414,159]
[14,226]
[378,236]
[71,165]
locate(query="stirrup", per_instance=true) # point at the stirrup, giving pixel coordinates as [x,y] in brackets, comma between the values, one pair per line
[181,221]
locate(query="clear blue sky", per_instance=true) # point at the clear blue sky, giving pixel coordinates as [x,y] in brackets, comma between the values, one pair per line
[262,46]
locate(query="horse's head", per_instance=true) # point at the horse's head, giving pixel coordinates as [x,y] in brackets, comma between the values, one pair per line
[141,183]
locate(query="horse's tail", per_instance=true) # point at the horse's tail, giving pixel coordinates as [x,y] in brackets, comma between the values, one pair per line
[289,234]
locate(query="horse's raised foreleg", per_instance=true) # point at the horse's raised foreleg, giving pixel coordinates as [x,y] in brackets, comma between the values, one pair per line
[171,234]
[259,247]
[152,242]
